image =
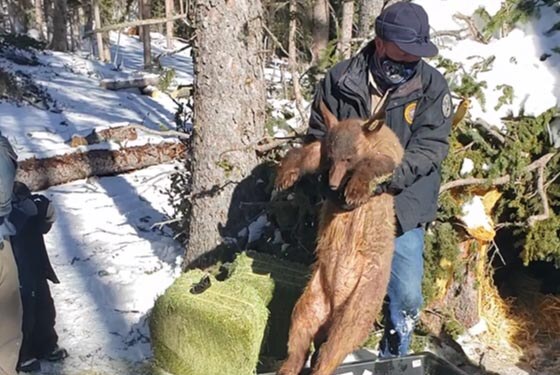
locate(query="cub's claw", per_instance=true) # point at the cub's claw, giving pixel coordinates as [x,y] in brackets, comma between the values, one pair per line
[356,192]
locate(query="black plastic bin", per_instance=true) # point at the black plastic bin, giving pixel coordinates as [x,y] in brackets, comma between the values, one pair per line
[424,363]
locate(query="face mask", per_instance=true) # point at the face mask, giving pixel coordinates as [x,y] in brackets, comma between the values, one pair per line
[391,72]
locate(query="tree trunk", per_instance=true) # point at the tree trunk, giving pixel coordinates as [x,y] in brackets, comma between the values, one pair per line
[369,9]
[169,25]
[17,13]
[98,36]
[344,45]
[39,174]
[229,113]
[39,23]
[145,13]
[60,39]
[320,29]
[47,4]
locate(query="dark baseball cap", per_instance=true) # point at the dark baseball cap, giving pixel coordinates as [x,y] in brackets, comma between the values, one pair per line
[406,24]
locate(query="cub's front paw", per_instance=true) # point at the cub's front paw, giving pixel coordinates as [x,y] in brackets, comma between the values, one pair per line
[357,192]
[286,178]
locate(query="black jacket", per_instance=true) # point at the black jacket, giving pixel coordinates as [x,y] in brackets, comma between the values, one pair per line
[426,102]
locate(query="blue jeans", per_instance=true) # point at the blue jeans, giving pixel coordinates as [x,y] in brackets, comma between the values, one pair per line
[405,294]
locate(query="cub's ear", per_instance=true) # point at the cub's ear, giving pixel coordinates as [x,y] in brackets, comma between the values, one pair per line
[373,125]
[328,117]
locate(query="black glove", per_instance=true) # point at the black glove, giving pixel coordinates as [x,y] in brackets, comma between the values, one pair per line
[45,211]
[384,187]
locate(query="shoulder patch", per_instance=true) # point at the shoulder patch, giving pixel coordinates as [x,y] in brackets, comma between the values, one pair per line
[409,111]
[446,106]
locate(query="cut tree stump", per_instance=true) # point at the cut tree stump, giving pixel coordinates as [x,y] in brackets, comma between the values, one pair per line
[39,174]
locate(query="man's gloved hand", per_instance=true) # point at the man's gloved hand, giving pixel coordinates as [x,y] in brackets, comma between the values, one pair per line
[380,189]
[45,210]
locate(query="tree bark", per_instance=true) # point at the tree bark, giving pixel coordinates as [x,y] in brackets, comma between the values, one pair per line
[145,14]
[60,38]
[17,13]
[47,10]
[39,174]
[293,61]
[98,36]
[369,9]
[169,25]
[39,22]
[344,45]
[320,29]
[229,113]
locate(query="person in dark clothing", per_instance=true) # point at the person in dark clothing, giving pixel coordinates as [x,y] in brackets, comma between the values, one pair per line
[33,216]
[389,74]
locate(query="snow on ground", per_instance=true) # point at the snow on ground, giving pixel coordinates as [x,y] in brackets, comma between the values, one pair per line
[111,261]
[82,105]
[112,264]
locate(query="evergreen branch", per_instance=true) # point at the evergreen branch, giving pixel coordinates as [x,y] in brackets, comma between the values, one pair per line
[537,164]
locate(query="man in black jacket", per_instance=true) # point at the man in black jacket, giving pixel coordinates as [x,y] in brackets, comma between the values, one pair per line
[418,109]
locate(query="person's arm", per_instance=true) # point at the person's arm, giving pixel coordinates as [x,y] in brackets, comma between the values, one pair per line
[7,174]
[428,145]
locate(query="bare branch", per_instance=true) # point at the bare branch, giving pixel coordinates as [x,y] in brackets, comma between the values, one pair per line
[124,25]
[497,181]
[457,34]
[489,128]
[476,34]
[275,39]
[542,193]
[292,58]
[263,145]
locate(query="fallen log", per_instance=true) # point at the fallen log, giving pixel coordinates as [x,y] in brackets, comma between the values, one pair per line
[126,83]
[40,174]
[116,134]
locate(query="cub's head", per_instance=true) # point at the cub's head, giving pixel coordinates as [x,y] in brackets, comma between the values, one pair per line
[346,143]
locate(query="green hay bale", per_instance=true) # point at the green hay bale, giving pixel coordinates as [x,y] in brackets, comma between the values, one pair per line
[216,332]
[223,329]
[289,280]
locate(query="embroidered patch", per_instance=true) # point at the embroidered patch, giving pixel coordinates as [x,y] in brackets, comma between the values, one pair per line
[409,112]
[446,105]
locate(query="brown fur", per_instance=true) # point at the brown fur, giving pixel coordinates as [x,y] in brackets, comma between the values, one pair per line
[355,248]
